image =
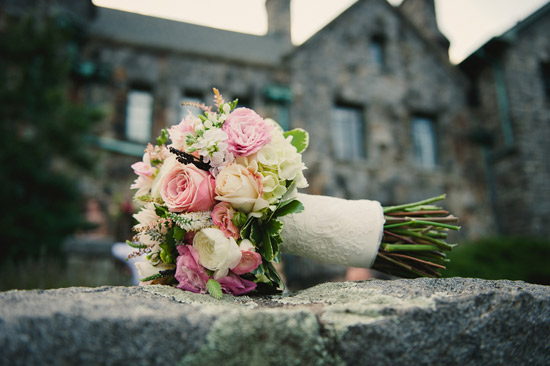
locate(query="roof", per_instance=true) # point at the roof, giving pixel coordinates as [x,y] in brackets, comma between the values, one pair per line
[161,33]
[497,43]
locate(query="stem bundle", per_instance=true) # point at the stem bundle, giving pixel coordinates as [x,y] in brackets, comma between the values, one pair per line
[414,241]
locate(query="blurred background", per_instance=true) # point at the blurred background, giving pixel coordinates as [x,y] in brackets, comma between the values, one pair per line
[394,115]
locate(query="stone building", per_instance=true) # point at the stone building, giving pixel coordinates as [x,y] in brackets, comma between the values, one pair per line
[510,97]
[390,117]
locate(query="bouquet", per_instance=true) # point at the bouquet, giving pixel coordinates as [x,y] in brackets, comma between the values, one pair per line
[219,202]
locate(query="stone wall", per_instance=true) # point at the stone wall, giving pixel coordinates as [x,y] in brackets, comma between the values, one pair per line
[515,111]
[335,67]
[419,322]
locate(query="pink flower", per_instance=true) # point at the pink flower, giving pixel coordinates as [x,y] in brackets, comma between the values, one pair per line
[189,273]
[222,216]
[187,188]
[235,285]
[144,168]
[178,133]
[250,260]
[247,132]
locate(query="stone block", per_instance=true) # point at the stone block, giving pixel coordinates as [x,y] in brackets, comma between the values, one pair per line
[453,321]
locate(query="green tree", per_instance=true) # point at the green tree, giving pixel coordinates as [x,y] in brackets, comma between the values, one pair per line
[42,137]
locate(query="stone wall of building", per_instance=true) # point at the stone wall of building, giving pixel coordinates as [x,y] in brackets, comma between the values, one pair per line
[514,110]
[336,67]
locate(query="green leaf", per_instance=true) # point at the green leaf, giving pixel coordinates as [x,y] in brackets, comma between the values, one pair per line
[245,230]
[160,211]
[288,207]
[274,227]
[179,233]
[300,139]
[256,233]
[136,245]
[214,288]
[239,218]
[266,249]
[161,140]
[272,274]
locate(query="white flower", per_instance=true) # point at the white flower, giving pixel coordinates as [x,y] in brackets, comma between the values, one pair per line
[216,252]
[146,216]
[241,188]
[146,269]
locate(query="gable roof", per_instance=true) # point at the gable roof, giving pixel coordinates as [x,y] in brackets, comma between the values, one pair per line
[496,44]
[183,37]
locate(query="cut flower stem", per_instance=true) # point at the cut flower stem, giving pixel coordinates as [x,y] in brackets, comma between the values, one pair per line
[414,239]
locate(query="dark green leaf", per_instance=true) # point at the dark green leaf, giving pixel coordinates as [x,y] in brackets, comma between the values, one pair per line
[245,230]
[266,250]
[274,227]
[288,207]
[160,211]
[179,233]
[256,234]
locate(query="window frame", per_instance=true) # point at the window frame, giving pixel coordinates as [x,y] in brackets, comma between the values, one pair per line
[419,151]
[131,113]
[351,152]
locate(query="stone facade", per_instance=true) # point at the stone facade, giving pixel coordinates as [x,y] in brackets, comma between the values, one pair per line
[381,69]
[415,78]
[511,100]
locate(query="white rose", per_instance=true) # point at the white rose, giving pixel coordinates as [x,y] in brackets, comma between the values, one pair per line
[216,252]
[241,188]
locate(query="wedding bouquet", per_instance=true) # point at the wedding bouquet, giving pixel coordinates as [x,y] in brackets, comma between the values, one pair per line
[219,203]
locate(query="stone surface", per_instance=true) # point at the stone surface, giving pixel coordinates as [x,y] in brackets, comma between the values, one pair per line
[422,322]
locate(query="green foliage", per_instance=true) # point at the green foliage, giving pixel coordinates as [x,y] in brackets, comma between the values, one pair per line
[214,288]
[42,138]
[502,258]
[300,139]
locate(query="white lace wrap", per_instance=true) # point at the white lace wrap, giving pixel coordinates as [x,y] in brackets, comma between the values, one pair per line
[334,230]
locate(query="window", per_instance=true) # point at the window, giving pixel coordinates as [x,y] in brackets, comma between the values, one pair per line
[193,97]
[377,51]
[545,69]
[347,133]
[424,142]
[278,99]
[139,116]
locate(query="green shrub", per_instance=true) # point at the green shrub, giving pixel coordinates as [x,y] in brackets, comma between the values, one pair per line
[512,258]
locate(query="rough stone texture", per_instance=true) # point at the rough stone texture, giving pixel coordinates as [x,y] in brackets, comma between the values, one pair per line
[514,108]
[419,322]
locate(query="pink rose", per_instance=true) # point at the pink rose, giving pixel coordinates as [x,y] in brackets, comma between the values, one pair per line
[189,273]
[250,260]
[247,132]
[235,285]
[222,216]
[188,188]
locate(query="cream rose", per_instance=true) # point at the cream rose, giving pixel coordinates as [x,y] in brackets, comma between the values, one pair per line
[216,252]
[241,188]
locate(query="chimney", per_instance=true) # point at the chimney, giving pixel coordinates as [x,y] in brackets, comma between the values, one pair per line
[278,19]
[422,14]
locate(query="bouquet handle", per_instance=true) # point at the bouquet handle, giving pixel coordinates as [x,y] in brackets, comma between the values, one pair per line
[334,230]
